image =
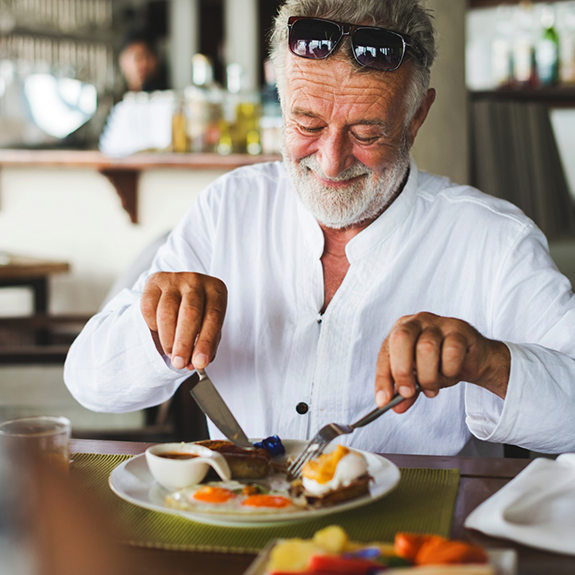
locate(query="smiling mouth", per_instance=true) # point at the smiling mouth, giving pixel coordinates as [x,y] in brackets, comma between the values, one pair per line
[335,183]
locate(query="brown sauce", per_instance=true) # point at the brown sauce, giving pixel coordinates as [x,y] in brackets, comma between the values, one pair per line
[177,455]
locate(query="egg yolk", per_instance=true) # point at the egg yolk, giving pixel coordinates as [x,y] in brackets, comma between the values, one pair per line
[322,468]
[209,494]
[267,501]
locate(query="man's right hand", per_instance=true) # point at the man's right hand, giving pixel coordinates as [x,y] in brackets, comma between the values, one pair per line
[185,311]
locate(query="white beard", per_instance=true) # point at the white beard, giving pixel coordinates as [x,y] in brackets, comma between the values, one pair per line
[341,207]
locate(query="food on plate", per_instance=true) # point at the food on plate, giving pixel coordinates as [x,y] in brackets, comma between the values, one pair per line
[244,463]
[273,445]
[232,497]
[333,477]
[331,552]
[436,550]
[258,484]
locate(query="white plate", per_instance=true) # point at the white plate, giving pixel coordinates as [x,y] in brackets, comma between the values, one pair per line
[503,560]
[133,482]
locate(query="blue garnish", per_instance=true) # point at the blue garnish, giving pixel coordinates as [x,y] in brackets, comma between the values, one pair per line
[273,445]
[365,553]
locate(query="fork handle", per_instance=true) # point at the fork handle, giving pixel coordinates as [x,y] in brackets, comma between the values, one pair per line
[378,411]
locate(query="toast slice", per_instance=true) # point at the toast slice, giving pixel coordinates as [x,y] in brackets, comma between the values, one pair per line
[244,463]
[355,489]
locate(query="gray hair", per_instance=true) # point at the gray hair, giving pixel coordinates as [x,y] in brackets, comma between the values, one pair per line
[405,16]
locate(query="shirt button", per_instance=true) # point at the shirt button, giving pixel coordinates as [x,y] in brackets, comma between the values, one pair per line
[302,407]
[319,320]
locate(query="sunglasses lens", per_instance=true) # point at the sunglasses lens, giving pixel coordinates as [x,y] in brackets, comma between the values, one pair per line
[378,48]
[314,39]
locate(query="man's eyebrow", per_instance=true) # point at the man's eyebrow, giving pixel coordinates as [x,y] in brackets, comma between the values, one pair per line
[374,122]
[306,113]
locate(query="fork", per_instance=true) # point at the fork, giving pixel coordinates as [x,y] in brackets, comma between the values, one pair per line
[332,430]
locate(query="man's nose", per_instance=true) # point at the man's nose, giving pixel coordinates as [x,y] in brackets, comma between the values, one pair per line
[334,154]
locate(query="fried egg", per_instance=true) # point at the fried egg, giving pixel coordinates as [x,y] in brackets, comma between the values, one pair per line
[333,470]
[231,497]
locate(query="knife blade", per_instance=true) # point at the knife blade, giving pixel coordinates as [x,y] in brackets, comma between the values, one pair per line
[212,404]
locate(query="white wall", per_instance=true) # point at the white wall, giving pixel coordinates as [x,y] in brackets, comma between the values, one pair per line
[75,215]
[442,144]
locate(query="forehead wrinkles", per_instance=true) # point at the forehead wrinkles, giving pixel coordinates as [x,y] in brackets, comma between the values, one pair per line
[328,87]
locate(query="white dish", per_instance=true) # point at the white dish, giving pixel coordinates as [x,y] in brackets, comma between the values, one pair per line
[177,473]
[133,482]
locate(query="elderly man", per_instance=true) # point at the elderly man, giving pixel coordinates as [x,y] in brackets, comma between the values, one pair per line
[345,273]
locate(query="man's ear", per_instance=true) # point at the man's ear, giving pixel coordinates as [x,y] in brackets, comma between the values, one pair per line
[421,114]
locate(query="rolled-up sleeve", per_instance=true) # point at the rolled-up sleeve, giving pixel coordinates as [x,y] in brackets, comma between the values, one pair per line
[532,306]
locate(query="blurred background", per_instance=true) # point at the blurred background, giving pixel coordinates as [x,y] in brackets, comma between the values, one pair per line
[114,114]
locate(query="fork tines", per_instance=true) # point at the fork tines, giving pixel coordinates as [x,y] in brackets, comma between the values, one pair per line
[314,449]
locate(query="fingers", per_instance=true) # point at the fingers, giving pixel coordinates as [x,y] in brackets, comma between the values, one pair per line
[402,342]
[385,385]
[187,326]
[211,329]
[426,349]
[453,354]
[149,304]
[187,311]
[428,354]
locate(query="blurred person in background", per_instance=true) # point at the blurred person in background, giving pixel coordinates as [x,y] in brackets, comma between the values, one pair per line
[140,64]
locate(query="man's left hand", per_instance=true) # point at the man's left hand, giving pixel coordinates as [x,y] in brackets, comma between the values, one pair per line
[437,352]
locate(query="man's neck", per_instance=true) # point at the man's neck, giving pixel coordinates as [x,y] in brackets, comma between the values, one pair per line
[336,240]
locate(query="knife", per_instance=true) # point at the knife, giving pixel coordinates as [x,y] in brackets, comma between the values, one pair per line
[212,404]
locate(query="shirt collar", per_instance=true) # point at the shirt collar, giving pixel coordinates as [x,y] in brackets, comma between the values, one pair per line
[375,233]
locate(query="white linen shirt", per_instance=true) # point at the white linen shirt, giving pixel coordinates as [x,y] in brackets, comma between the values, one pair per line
[439,247]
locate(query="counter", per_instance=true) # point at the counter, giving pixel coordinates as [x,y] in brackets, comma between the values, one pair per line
[124,173]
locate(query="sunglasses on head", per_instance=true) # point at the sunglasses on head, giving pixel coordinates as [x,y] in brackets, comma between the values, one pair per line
[316,39]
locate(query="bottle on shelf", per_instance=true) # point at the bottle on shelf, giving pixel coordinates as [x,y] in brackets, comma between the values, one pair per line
[502,48]
[523,46]
[271,120]
[566,25]
[547,49]
[180,141]
[239,128]
[204,106]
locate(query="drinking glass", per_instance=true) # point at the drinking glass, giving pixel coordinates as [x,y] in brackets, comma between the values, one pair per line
[46,437]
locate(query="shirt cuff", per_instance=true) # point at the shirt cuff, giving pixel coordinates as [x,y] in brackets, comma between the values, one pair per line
[489,417]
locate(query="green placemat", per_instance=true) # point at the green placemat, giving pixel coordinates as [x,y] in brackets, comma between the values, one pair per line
[422,502]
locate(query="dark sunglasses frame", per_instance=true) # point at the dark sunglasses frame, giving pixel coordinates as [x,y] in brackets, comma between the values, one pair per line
[350,30]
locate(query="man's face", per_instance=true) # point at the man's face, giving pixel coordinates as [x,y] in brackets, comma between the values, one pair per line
[346,143]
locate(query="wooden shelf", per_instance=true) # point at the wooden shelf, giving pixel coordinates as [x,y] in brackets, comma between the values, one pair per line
[124,173]
[558,96]
[98,161]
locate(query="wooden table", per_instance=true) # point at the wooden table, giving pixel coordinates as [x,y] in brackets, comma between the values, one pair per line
[20,271]
[480,478]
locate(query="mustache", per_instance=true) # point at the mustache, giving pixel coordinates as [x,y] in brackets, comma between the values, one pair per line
[357,169]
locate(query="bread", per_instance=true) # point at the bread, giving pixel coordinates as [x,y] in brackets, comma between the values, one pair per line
[356,488]
[244,463]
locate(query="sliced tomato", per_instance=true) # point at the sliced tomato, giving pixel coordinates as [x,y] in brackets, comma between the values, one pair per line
[441,551]
[408,544]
